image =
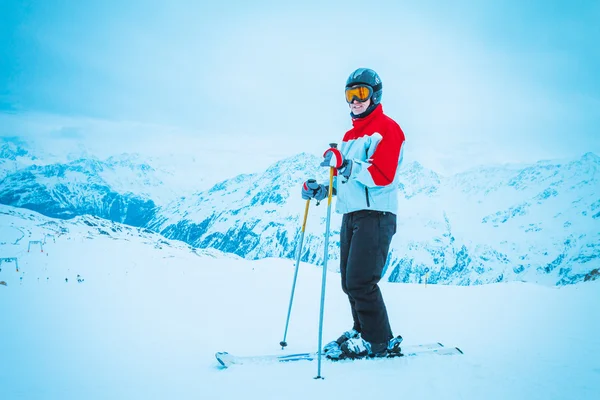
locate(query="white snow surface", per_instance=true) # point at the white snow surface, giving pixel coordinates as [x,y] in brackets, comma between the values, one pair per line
[149,314]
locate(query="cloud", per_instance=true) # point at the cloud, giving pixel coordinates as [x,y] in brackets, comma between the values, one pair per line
[68,132]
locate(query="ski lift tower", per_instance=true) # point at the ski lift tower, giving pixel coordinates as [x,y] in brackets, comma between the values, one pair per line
[49,235]
[34,242]
[10,259]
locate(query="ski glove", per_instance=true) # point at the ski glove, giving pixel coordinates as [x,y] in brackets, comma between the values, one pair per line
[313,190]
[333,158]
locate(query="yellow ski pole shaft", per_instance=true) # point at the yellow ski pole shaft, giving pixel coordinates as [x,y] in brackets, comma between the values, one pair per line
[283,343]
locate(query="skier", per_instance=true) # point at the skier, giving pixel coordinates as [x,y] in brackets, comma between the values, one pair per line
[365,184]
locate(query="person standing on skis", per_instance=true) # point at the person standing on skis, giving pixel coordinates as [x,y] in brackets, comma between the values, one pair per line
[365,184]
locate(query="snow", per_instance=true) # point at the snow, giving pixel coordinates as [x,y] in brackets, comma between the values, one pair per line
[150,313]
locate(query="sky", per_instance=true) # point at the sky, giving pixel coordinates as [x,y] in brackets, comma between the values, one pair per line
[470,82]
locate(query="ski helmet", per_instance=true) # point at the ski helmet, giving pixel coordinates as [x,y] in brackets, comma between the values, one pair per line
[369,77]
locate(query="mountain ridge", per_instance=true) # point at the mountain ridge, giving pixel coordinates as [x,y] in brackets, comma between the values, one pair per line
[534,222]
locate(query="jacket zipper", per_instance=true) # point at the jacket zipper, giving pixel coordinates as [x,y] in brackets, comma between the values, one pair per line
[367,196]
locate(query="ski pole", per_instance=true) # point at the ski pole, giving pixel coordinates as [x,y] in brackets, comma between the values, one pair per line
[329,194]
[283,343]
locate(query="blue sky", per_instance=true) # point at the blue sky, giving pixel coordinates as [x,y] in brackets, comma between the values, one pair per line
[470,82]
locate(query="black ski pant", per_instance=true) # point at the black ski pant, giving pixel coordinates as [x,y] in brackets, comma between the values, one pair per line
[364,243]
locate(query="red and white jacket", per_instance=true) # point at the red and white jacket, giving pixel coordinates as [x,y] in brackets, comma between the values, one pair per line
[374,145]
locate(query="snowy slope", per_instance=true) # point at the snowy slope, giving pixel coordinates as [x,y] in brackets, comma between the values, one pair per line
[148,315]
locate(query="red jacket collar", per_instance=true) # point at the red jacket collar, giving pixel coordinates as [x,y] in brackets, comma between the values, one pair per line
[378,111]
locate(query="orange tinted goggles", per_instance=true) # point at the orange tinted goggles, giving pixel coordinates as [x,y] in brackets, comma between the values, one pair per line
[361,93]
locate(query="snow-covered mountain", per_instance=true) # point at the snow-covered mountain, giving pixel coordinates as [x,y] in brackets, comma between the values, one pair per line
[534,223]
[537,222]
[75,188]
[14,156]
[252,215]
[160,179]
[123,188]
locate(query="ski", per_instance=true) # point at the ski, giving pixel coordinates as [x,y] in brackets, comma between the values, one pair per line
[227,360]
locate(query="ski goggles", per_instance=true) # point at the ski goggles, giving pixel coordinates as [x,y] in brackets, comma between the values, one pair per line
[361,93]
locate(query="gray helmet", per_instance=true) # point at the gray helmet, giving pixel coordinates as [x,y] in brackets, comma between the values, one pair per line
[369,77]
